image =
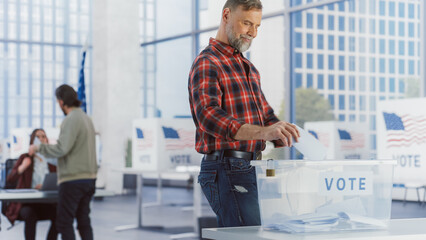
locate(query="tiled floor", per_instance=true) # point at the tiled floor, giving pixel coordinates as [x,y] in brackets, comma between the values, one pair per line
[173,214]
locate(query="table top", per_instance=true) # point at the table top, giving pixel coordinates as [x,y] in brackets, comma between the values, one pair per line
[22,195]
[399,229]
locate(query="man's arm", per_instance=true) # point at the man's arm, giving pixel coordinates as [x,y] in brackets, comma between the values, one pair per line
[281,130]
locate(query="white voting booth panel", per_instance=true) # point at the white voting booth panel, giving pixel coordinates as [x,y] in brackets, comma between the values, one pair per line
[401,135]
[4,150]
[163,144]
[20,139]
[342,140]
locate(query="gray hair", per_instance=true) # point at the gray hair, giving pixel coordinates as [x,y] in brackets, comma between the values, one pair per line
[246,4]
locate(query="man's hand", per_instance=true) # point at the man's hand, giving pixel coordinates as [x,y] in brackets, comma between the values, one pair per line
[32,150]
[283,131]
[24,165]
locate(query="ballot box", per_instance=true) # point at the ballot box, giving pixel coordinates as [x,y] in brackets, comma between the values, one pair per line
[299,196]
[163,144]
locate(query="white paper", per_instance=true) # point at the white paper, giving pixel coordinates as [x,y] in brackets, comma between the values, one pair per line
[53,161]
[309,146]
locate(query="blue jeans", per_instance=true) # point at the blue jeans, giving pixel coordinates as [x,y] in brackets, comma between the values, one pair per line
[229,185]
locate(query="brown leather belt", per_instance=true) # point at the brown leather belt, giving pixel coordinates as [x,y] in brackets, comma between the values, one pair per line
[216,155]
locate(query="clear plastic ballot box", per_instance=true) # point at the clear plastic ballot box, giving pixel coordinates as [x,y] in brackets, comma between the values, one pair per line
[299,196]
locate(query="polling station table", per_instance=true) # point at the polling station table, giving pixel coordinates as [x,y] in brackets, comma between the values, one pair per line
[399,229]
[197,197]
[34,196]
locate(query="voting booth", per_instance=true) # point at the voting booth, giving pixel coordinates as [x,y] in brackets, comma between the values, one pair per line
[163,144]
[4,150]
[343,140]
[299,196]
[401,135]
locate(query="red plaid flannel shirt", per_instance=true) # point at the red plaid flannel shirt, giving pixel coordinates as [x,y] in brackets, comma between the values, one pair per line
[224,93]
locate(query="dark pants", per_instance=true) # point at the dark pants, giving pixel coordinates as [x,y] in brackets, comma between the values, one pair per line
[74,202]
[229,185]
[31,213]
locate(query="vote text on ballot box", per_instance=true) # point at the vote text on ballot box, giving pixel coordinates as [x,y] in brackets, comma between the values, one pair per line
[333,195]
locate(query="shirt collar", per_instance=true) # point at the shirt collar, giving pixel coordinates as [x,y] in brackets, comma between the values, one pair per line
[223,47]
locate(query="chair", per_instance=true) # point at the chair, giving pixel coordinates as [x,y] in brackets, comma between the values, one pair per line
[8,165]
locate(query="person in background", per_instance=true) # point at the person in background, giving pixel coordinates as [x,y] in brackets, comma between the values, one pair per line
[232,117]
[77,166]
[29,172]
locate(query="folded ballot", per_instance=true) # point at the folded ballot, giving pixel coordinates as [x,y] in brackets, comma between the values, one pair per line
[309,146]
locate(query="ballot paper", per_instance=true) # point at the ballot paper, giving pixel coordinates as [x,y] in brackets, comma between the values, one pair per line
[53,161]
[309,146]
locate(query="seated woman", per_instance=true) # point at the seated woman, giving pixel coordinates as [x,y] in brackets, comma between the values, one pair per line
[29,172]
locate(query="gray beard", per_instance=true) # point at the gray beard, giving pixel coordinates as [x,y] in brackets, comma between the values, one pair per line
[234,42]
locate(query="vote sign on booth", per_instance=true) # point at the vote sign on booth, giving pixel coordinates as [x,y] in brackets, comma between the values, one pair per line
[161,144]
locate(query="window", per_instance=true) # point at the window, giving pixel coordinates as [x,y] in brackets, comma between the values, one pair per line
[298,58]
[411,11]
[342,24]
[341,6]
[401,67]
[401,9]
[382,8]
[372,65]
[309,20]
[320,81]
[372,103]
[341,117]
[372,26]
[352,63]
[401,86]
[411,29]
[309,40]
[309,60]
[392,28]
[372,45]
[392,85]
[352,44]
[309,81]
[401,31]
[362,44]
[331,100]
[392,9]
[392,47]
[298,41]
[411,67]
[362,103]
[330,82]
[298,80]
[320,21]
[330,62]
[382,64]
[391,65]
[342,43]
[372,84]
[352,83]
[362,84]
[351,24]
[373,123]
[401,48]
[372,7]
[382,46]
[298,19]
[362,62]
[373,139]
[351,102]
[320,41]
[411,48]
[320,61]
[342,63]
[330,42]
[341,102]
[382,27]
[341,82]
[362,25]
[330,23]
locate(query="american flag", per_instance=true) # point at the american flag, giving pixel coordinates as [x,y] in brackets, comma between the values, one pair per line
[177,139]
[351,140]
[405,130]
[144,139]
[324,138]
